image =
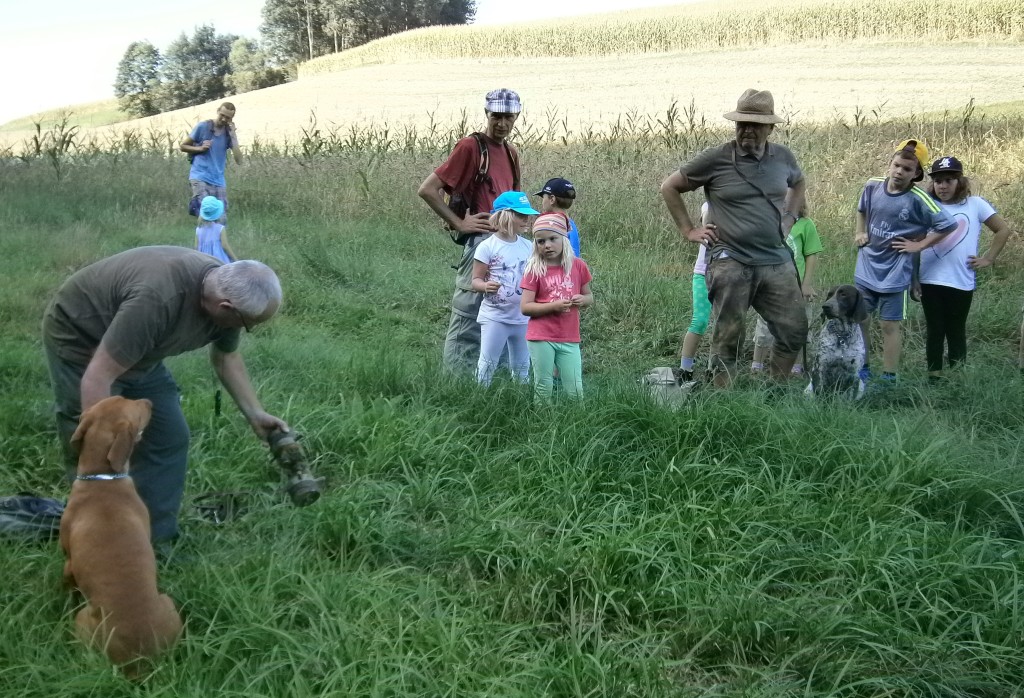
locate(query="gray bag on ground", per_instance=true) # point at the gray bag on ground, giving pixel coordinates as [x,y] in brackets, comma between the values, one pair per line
[667,387]
[25,516]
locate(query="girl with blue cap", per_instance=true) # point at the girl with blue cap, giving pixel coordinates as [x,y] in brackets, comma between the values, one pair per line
[212,236]
[498,264]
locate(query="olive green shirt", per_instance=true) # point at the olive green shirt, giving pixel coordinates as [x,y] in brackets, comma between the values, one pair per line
[142,305]
[749,223]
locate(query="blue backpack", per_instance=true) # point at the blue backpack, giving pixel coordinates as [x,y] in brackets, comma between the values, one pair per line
[25,516]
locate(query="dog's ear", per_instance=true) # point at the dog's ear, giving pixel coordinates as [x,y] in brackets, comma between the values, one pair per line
[84,424]
[860,312]
[141,411]
[122,444]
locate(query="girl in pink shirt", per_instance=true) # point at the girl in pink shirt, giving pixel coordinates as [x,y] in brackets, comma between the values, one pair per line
[556,284]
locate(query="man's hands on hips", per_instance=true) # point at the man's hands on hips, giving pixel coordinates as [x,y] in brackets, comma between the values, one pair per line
[705,234]
[475,223]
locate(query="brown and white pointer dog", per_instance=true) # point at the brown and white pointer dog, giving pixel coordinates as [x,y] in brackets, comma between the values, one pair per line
[840,345]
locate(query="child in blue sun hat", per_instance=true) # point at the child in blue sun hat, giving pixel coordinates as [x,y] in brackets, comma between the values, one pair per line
[498,264]
[212,236]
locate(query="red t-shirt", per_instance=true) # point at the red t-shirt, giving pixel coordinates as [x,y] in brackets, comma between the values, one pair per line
[458,171]
[555,285]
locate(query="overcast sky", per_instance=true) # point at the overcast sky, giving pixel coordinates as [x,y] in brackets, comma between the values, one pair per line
[64,52]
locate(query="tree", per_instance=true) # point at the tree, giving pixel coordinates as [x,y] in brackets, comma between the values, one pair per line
[292,29]
[194,68]
[138,79]
[249,68]
[297,30]
[456,12]
[338,24]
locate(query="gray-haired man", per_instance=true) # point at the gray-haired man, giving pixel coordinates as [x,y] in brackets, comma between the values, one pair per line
[112,323]
[459,176]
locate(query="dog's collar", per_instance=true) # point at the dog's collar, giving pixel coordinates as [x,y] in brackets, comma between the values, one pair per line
[102,476]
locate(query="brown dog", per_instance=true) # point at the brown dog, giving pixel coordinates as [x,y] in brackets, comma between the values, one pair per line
[105,534]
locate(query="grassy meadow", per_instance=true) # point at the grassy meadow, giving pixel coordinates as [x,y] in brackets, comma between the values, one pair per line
[472,543]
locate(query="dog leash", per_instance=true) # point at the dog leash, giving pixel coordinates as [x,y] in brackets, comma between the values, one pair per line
[102,476]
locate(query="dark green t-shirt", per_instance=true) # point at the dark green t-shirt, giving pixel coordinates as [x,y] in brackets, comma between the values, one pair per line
[748,223]
[143,305]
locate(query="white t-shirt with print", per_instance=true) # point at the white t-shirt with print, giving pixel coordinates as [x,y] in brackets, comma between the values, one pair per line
[505,262]
[945,262]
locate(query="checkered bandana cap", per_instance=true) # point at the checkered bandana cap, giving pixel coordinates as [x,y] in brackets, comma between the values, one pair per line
[502,101]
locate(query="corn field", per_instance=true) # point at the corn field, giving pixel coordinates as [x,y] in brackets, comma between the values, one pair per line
[704,25]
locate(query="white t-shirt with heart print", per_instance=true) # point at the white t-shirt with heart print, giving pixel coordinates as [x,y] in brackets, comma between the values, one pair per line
[945,263]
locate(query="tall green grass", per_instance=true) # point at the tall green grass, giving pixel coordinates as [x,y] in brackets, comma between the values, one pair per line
[473,543]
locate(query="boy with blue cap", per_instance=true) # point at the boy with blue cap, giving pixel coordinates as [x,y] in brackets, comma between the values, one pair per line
[557,196]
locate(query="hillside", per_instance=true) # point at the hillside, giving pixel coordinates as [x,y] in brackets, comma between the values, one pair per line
[822,60]
[694,27]
[89,114]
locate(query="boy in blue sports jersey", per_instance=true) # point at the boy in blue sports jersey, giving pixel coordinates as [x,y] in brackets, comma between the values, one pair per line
[895,221]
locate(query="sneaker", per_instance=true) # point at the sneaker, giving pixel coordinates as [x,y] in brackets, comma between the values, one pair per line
[864,374]
[682,376]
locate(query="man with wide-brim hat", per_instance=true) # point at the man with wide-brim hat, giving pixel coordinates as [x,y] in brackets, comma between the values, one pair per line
[753,188]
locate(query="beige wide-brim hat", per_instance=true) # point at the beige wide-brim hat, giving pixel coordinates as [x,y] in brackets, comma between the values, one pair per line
[756,106]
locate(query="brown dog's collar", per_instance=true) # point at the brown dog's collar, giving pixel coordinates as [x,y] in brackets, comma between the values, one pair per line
[102,476]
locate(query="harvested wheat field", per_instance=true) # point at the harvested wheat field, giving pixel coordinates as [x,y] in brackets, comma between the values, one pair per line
[810,82]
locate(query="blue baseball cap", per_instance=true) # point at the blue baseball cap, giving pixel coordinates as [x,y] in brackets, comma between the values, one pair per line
[946,164]
[211,208]
[516,201]
[559,187]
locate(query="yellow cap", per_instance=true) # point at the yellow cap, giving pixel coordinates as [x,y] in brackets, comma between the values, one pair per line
[920,150]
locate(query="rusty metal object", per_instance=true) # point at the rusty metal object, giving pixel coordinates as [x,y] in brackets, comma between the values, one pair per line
[302,486]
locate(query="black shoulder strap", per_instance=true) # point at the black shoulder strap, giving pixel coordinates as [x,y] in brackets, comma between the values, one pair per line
[514,161]
[485,156]
[485,160]
[485,165]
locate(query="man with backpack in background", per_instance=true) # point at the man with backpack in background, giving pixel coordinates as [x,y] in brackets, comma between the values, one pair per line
[461,192]
[207,147]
